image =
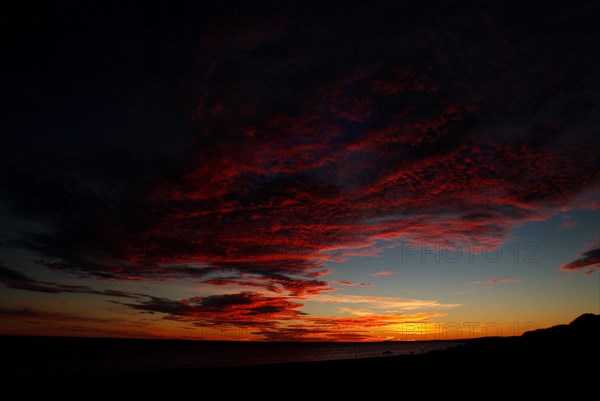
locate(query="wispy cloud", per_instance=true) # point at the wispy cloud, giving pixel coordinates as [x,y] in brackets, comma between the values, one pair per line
[384,303]
[493,282]
[351,283]
[589,262]
[567,224]
[16,280]
[46,321]
[384,273]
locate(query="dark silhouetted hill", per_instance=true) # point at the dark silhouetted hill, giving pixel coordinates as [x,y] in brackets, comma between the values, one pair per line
[585,327]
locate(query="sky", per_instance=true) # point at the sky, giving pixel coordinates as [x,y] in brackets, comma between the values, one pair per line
[300,171]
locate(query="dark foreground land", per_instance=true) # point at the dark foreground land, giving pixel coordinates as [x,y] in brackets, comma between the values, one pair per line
[562,357]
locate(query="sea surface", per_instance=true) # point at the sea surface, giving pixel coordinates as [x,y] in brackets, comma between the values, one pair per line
[63,356]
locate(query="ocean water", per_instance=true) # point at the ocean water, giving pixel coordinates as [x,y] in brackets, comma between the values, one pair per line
[63,356]
[269,353]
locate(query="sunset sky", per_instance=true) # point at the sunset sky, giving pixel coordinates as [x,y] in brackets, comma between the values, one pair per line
[333,171]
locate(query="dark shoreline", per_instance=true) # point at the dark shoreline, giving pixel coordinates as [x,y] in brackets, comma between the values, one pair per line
[57,357]
[501,364]
[566,351]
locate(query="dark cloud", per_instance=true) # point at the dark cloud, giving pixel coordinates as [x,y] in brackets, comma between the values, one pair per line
[14,279]
[244,309]
[242,145]
[45,322]
[33,314]
[589,261]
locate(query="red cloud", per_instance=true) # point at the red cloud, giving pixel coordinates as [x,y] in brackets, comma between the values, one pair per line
[351,283]
[274,317]
[300,147]
[265,209]
[384,273]
[244,309]
[264,201]
[274,282]
[589,261]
